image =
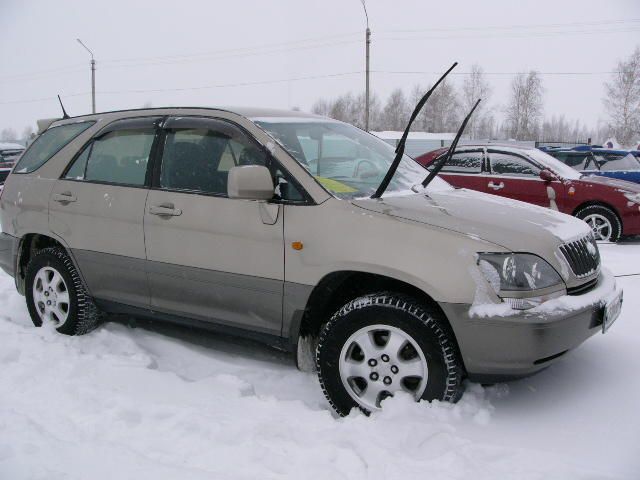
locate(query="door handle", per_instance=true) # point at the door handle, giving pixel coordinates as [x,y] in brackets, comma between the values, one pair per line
[496,187]
[65,197]
[165,210]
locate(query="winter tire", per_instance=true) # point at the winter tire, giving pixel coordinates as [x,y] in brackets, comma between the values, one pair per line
[383,343]
[603,221]
[55,294]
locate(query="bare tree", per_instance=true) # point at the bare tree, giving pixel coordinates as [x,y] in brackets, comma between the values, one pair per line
[622,101]
[525,107]
[395,113]
[8,135]
[28,133]
[476,87]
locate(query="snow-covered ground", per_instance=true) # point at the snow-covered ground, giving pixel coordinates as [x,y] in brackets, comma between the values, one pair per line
[177,404]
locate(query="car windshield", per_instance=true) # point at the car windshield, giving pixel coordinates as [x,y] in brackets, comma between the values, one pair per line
[345,160]
[553,164]
[610,163]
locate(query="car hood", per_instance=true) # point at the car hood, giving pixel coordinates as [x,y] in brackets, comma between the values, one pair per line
[514,225]
[611,182]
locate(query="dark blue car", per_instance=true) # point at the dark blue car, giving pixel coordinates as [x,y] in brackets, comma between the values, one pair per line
[620,164]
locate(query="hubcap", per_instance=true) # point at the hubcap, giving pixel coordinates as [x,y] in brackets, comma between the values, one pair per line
[600,225]
[51,296]
[379,360]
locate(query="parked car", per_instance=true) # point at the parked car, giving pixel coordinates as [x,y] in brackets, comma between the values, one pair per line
[260,223]
[610,206]
[9,154]
[620,164]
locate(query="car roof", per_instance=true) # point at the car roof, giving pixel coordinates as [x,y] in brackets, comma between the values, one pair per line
[248,112]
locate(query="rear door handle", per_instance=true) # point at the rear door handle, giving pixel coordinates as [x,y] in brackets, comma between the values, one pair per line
[165,210]
[65,197]
[496,187]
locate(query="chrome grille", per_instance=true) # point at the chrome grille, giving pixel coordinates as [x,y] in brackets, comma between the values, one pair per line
[582,255]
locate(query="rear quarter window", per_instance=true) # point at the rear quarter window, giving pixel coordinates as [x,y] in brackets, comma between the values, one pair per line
[48,144]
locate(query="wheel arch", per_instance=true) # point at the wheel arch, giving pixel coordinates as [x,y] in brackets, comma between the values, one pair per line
[597,203]
[29,245]
[337,288]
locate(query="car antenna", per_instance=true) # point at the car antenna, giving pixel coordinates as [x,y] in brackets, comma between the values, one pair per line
[445,158]
[401,144]
[64,112]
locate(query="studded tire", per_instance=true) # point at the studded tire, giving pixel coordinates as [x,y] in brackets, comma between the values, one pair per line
[423,324]
[83,315]
[605,212]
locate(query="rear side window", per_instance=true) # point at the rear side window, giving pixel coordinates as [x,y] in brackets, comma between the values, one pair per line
[464,162]
[48,144]
[119,157]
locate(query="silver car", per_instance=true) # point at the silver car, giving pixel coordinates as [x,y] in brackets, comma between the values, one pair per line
[261,223]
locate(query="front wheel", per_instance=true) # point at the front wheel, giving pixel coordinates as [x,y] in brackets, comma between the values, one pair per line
[603,221]
[382,344]
[55,294]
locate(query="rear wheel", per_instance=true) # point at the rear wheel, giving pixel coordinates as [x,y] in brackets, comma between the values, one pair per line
[604,222]
[55,294]
[378,345]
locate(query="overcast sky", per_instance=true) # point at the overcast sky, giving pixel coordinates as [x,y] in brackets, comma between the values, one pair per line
[286,53]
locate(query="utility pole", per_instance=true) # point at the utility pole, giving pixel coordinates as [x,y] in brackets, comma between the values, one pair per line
[93,77]
[366,89]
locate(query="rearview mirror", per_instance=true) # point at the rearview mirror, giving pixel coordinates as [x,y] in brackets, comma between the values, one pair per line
[548,175]
[250,182]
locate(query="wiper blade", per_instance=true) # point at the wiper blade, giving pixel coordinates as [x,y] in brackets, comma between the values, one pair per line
[445,158]
[401,144]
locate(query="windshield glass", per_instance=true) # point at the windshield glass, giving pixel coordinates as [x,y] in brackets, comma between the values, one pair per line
[555,165]
[345,160]
[610,163]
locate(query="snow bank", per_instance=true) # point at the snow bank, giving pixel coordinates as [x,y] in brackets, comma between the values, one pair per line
[171,403]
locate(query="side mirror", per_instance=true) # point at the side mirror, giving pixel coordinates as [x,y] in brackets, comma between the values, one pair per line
[548,175]
[250,182]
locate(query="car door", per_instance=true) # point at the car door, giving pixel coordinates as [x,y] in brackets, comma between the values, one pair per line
[210,257]
[515,176]
[97,208]
[466,169]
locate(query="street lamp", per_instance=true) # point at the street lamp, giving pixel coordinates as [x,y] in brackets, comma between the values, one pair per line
[366,90]
[93,77]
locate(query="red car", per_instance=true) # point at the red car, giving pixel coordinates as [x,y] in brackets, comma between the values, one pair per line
[610,206]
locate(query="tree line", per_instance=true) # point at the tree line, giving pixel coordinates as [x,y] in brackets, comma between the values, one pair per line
[522,116]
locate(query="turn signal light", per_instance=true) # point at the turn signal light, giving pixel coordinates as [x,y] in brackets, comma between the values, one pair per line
[297,245]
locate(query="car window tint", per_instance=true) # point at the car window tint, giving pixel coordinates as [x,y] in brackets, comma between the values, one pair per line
[512,165]
[464,162]
[119,157]
[48,144]
[199,160]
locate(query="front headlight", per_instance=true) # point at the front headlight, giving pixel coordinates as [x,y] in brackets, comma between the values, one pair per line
[632,197]
[523,280]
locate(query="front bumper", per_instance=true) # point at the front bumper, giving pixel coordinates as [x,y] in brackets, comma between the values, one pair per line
[520,343]
[8,253]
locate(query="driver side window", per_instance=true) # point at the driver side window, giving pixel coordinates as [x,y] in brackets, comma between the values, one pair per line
[512,165]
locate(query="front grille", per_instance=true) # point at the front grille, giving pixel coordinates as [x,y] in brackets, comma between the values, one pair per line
[582,289]
[582,255]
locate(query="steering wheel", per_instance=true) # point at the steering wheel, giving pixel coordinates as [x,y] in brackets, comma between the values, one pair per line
[370,173]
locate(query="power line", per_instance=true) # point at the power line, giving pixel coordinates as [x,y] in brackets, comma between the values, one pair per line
[491,73]
[201,87]
[517,26]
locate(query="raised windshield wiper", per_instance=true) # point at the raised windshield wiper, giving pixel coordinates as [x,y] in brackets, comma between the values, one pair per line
[401,144]
[445,158]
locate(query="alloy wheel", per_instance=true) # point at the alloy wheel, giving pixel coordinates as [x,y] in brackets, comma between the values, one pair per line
[51,296]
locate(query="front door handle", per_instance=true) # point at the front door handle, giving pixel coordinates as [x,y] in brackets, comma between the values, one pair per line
[165,210]
[496,187]
[64,197]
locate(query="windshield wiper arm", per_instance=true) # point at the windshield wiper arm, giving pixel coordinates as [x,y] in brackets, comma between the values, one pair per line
[401,144]
[445,158]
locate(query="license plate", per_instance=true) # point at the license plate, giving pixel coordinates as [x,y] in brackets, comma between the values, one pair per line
[612,311]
